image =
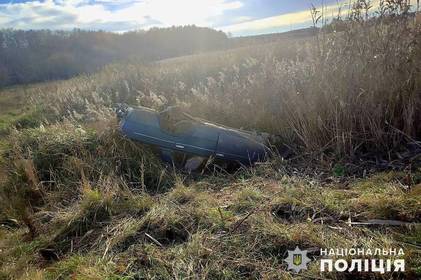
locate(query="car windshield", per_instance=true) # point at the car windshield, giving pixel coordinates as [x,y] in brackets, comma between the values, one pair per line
[174,121]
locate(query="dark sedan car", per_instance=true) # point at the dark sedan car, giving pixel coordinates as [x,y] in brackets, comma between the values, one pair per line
[176,132]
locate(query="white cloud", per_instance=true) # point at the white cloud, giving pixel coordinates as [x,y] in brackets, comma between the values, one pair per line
[241,19]
[112,14]
[265,24]
[286,21]
[181,12]
[123,15]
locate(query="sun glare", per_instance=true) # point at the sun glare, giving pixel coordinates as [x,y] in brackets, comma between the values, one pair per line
[188,11]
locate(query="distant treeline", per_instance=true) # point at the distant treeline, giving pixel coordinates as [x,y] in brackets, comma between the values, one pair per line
[35,56]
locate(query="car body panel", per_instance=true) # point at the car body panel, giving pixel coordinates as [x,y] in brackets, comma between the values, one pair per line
[234,145]
[193,136]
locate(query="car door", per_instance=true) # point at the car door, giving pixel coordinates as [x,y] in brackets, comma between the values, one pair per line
[143,126]
[196,138]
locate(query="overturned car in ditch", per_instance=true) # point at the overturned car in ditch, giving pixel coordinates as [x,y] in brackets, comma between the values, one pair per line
[190,142]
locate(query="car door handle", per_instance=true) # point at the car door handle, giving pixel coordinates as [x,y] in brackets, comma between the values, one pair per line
[179,146]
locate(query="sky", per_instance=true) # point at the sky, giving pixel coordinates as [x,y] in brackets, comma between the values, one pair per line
[237,17]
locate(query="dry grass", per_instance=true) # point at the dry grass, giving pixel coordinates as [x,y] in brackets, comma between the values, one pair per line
[348,94]
[213,227]
[93,205]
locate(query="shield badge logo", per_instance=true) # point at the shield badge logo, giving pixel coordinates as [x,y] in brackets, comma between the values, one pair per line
[297,259]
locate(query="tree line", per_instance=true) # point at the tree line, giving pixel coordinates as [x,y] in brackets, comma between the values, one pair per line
[42,55]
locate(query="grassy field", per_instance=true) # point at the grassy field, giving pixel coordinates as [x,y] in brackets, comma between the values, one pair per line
[90,204]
